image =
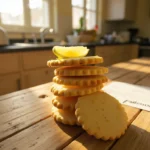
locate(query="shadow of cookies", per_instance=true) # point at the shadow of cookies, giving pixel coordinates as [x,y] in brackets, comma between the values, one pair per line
[73,131]
[88,142]
[134,138]
[81,140]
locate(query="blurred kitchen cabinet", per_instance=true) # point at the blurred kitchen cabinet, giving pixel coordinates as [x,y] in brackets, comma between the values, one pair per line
[37,77]
[117,53]
[129,52]
[36,59]
[10,63]
[135,51]
[24,69]
[108,53]
[120,10]
[10,83]
[126,52]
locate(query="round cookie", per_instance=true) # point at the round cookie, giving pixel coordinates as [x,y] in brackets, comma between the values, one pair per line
[62,90]
[75,61]
[64,102]
[101,115]
[80,71]
[64,116]
[80,80]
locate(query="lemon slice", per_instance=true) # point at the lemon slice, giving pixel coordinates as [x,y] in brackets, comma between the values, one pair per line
[70,52]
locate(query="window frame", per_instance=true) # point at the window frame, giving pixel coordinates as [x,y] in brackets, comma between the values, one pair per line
[27,27]
[85,10]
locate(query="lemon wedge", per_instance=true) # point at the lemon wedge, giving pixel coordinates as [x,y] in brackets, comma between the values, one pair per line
[70,52]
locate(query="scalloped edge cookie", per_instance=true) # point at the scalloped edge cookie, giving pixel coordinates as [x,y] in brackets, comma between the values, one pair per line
[64,116]
[106,119]
[80,61]
[65,102]
[80,71]
[80,80]
[62,90]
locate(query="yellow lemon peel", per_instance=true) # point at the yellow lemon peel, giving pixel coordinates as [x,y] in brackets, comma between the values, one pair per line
[70,52]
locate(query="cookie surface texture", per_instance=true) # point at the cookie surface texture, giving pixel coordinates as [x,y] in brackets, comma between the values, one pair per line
[101,115]
[64,102]
[80,71]
[80,80]
[75,61]
[62,90]
[64,116]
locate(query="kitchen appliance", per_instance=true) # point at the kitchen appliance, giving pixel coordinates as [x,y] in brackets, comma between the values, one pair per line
[124,36]
[133,33]
[144,49]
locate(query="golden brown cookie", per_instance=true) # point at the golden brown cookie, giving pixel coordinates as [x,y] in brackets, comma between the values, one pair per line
[62,90]
[101,115]
[75,61]
[64,116]
[80,71]
[64,102]
[80,80]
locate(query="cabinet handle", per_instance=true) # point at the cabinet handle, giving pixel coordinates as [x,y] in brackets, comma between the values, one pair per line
[19,84]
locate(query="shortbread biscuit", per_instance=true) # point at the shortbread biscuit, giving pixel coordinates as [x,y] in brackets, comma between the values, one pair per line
[64,116]
[75,61]
[62,90]
[64,102]
[80,71]
[101,115]
[80,80]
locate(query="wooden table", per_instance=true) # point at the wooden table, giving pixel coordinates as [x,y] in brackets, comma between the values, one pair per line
[26,122]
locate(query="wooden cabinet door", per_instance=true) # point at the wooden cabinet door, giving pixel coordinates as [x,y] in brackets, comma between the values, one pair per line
[37,77]
[126,52]
[9,83]
[109,53]
[9,63]
[116,53]
[129,52]
[103,51]
[134,51]
[36,59]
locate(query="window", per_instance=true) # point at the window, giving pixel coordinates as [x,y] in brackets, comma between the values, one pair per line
[85,9]
[26,14]
[39,13]
[12,13]
[77,12]
[90,14]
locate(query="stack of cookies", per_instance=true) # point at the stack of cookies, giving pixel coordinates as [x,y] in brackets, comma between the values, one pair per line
[74,78]
[79,100]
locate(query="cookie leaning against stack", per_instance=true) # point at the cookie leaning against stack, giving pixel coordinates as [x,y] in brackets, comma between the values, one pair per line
[75,77]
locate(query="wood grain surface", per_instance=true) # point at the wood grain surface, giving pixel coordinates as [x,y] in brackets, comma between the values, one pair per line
[26,122]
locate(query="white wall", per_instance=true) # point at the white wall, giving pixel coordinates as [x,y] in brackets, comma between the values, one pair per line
[143,17]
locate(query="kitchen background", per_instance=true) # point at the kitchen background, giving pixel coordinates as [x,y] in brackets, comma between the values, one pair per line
[21,21]
[118,30]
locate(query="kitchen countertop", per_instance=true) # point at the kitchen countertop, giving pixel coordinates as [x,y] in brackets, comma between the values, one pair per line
[48,46]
